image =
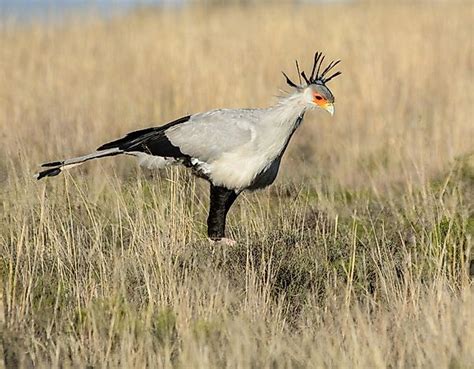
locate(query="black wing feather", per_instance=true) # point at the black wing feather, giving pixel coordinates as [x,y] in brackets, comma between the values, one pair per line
[149,140]
[129,137]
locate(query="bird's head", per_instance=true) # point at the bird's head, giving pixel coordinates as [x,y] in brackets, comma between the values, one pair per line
[315,92]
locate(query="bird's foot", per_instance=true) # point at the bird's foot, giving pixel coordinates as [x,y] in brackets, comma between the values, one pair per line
[223,241]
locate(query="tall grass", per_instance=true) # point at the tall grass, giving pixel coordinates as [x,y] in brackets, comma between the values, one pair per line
[356,258]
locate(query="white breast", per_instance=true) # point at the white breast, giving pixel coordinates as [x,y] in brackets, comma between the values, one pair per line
[237,170]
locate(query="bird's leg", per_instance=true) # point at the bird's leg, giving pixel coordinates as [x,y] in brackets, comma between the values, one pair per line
[221,200]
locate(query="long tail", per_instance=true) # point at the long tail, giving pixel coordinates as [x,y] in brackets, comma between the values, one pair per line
[56,167]
[160,153]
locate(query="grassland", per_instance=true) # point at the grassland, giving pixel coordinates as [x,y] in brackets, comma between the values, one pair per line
[358,257]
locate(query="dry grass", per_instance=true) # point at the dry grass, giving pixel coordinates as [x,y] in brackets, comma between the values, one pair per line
[356,258]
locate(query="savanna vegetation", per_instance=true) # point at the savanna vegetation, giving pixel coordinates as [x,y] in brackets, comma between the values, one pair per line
[358,256]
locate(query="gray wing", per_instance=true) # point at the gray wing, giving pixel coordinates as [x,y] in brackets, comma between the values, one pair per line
[206,136]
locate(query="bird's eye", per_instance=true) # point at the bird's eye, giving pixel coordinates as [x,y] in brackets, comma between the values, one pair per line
[318,97]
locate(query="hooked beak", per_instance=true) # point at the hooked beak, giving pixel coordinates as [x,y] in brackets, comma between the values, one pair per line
[329,107]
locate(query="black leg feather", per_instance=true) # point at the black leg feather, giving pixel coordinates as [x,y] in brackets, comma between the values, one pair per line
[221,200]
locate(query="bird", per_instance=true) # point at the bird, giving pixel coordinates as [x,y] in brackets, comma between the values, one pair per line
[235,150]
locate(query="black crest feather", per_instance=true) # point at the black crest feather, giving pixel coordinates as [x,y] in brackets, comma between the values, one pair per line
[317,76]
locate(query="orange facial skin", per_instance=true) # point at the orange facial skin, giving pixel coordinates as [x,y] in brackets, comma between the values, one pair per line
[319,100]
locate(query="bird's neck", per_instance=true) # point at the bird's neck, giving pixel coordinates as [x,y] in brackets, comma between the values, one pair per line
[282,120]
[287,110]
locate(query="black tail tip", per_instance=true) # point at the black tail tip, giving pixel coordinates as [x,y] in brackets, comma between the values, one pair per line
[48,173]
[52,164]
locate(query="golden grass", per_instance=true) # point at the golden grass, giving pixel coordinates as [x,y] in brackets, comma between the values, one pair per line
[357,257]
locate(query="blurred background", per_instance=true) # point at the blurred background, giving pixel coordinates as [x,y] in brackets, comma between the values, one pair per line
[50,10]
[33,9]
[76,73]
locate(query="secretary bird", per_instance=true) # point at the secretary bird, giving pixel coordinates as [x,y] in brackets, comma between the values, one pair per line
[233,149]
